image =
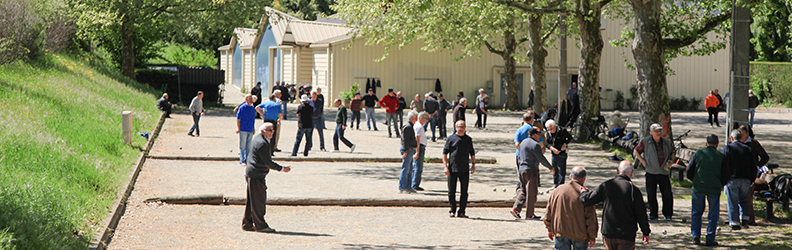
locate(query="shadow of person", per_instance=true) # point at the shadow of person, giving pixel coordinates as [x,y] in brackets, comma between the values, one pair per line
[302,234]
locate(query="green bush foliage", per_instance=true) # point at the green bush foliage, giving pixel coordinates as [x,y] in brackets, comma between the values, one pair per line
[683,104]
[63,157]
[772,82]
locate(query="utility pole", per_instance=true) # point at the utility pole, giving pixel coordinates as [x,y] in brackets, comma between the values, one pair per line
[563,77]
[737,106]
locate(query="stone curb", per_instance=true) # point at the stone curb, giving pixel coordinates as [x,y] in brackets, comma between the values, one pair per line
[219,199]
[480,160]
[102,237]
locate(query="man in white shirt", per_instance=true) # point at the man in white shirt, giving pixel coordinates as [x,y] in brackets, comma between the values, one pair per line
[420,137]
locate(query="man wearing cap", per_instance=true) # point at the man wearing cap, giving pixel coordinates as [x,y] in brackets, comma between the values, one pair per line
[355,107]
[432,107]
[616,124]
[709,173]
[656,154]
[305,125]
[370,100]
[530,156]
[391,103]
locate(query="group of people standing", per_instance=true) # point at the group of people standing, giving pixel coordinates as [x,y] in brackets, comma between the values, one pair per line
[714,103]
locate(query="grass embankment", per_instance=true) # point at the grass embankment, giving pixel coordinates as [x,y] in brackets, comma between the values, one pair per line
[62,156]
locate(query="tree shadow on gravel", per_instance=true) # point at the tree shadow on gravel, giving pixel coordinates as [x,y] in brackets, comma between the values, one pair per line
[393,246]
[302,234]
[496,220]
[531,243]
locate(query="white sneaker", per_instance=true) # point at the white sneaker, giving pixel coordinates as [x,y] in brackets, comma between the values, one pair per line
[352,149]
[334,151]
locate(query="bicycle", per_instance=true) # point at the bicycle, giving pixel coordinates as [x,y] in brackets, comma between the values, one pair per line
[678,141]
[581,133]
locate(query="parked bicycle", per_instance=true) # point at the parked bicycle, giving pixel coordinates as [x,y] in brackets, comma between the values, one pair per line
[678,141]
[582,133]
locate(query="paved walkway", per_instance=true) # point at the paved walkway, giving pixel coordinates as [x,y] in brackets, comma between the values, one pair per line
[152,225]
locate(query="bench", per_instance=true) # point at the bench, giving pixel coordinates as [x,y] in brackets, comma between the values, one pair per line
[683,156]
[784,200]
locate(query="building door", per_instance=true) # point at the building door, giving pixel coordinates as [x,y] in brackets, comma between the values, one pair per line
[519,82]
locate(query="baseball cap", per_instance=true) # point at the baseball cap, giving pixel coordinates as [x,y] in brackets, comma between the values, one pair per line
[655,127]
[304,98]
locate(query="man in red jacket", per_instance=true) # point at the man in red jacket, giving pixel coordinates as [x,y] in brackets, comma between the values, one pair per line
[391,103]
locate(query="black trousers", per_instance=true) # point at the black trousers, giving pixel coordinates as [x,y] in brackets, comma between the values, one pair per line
[355,117]
[713,115]
[256,205]
[652,181]
[479,122]
[464,181]
[441,124]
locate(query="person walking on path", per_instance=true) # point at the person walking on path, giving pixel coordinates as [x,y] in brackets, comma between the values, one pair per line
[741,163]
[420,150]
[442,116]
[258,166]
[530,157]
[407,150]
[341,117]
[712,103]
[318,124]
[355,106]
[370,100]
[305,126]
[197,110]
[400,110]
[432,107]
[569,224]
[656,154]
[391,103]
[557,140]
[246,123]
[624,210]
[164,105]
[459,111]
[481,110]
[753,102]
[272,114]
[462,160]
[709,173]
[417,105]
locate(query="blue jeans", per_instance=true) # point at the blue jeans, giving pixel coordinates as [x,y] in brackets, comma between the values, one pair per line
[391,119]
[244,145]
[564,243]
[400,114]
[319,126]
[752,111]
[559,162]
[196,119]
[432,124]
[738,193]
[698,211]
[339,134]
[283,106]
[370,118]
[405,179]
[418,166]
[308,132]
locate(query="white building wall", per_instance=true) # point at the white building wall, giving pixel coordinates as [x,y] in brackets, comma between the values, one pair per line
[247,69]
[320,68]
[288,66]
[305,65]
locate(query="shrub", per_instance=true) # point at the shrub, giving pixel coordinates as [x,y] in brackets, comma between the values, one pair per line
[21,31]
[618,101]
[772,82]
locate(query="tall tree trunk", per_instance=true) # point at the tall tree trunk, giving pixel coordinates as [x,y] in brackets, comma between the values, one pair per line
[127,47]
[588,19]
[538,54]
[512,103]
[647,49]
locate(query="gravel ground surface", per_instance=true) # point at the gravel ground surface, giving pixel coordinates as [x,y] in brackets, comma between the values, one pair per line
[163,226]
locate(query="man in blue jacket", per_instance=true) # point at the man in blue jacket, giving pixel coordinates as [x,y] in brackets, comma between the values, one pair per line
[742,172]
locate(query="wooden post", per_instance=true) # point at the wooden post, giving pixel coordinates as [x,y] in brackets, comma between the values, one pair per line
[126,124]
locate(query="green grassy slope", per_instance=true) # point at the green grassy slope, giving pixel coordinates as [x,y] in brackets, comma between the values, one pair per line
[62,158]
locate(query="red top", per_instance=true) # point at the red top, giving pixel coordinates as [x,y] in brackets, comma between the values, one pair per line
[390,102]
[711,101]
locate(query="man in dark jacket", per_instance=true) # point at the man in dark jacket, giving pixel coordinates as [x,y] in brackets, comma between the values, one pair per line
[624,209]
[259,163]
[432,107]
[556,140]
[656,154]
[442,114]
[400,110]
[164,105]
[304,125]
[459,111]
[256,91]
[407,150]
[459,161]
[753,102]
[369,101]
[762,159]
[341,117]
[529,158]
[708,172]
[741,162]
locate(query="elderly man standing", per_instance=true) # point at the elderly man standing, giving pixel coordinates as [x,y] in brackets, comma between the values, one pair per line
[656,154]
[530,157]
[341,117]
[462,161]
[741,163]
[442,114]
[568,222]
[304,125]
[407,150]
[391,104]
[197,110]
[318,120]
[432,107]
[400,110]
[420,150]
[557,140]
[459,111]
[246,123]
[616,124]
[708,172]
[624,209]
[370,100]
[272,113]
[164,105]
[258,166]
